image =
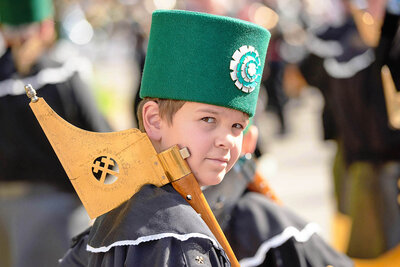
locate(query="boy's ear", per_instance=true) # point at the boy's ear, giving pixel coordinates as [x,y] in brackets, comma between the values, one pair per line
[47,31]
[152,120]
[250,140]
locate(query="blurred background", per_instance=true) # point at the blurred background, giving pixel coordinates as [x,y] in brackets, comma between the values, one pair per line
[325,130]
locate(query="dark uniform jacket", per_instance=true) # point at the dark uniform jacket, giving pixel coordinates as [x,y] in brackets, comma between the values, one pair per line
[156,227]
[24,149]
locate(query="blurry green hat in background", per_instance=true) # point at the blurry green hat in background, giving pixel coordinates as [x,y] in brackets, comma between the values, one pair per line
[17,12]
[204,58]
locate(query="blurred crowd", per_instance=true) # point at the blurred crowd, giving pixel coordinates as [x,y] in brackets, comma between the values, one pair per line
[336,46]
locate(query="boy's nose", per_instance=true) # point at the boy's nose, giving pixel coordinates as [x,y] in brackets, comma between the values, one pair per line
[225,140]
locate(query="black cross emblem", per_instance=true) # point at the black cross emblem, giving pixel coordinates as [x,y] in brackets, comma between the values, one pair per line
[105,169]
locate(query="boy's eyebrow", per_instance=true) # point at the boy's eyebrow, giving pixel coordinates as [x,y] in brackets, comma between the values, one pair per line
[210,110]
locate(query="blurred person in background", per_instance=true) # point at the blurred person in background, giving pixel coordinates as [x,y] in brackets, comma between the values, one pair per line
[374,165]
[333,42]
[273,82]
[366,168]
[36,197]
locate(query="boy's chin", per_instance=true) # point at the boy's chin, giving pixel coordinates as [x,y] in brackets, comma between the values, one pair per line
[214,180]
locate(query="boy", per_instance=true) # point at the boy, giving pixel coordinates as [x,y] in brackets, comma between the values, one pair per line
[200,86]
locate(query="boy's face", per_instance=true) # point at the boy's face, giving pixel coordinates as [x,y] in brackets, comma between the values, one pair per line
[213,136]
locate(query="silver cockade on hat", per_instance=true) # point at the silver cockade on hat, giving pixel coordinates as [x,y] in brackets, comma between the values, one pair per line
[246,68]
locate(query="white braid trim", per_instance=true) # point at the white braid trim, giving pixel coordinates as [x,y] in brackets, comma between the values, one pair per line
[151,238]
[341,70]
[276,241]
[323,48]
[43,77]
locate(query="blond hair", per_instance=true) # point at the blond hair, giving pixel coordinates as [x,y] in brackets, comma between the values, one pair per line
[167,109]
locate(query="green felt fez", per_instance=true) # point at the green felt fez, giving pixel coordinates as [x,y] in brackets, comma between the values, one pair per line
[204,58]
[17,12]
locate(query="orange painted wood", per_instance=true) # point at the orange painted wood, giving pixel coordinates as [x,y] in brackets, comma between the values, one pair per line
[78,151]
[188,186]
[260,185]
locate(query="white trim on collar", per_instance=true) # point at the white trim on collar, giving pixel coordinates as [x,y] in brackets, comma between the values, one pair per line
[300,236]
[151,238]
[342,70]
[323,48]
[45,76]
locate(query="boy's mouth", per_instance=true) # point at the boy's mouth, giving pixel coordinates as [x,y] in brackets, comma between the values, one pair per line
[219,161]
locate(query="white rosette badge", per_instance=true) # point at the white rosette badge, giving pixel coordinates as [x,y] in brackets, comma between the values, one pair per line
[246,68]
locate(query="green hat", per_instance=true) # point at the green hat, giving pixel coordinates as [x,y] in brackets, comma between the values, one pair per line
[17,12]
[204,58]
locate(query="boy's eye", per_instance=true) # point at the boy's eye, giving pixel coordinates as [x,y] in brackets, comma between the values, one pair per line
[238,126]
[208,119]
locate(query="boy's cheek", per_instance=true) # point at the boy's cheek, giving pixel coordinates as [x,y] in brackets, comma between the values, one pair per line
[192,167]
[237,157]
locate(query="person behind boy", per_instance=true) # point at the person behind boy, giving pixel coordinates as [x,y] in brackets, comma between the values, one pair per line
[36,199]
[200,86]
[260,230]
